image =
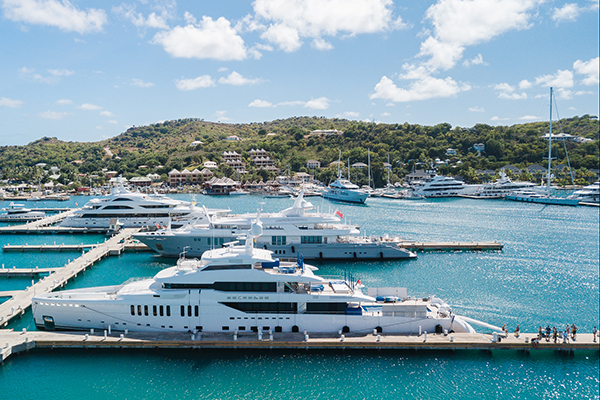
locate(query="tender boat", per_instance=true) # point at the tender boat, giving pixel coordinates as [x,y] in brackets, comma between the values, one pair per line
[320,236]
[242,289]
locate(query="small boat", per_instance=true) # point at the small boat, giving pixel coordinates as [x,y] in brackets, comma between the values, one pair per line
[238,192]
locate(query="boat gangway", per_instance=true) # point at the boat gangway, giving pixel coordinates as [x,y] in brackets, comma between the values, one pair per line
[12,342]
[18,303]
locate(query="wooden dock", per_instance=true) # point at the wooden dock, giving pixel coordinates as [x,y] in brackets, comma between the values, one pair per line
[17,304]
[14,342]
[451,246]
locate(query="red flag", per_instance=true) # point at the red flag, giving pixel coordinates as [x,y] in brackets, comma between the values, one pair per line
[358,282]
[339,213]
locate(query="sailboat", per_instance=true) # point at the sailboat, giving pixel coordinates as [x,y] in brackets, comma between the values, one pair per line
[543,197]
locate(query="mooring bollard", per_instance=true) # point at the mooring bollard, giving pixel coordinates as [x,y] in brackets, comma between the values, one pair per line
[259,335]
[445,332]
[425,336]
[451,338]
[85,337]
[121,336]
[270,335]
[305,336]
[105,334]
[24,330]
[109,329]
[342,338]
[379,338]
[419,330]
[235,335]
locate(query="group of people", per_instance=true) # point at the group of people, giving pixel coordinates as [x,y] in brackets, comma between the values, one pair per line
[570,333]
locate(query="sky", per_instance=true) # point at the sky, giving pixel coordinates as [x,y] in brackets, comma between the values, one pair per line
[88,70]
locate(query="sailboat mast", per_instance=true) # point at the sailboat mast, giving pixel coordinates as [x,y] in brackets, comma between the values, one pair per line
[369,161]
[549,145]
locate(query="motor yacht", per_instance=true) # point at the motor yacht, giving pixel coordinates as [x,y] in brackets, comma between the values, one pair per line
[500,188]
[132,209]
[441,186]
[320,236]
[18,213]
[587,194]
[239,289]
[344,190]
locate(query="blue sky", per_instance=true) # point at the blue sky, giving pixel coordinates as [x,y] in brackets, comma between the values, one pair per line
[88,70]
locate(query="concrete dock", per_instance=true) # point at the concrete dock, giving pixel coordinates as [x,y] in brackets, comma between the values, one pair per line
[450,246]
[12,342]
[39,225]
[17,304]
[10,272]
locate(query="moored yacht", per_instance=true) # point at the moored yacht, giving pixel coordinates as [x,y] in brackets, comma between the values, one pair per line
[132,209]
[500,188]
[18,213]
[344,190]
[587,194]
[441,186]
[239,288]
[316,235]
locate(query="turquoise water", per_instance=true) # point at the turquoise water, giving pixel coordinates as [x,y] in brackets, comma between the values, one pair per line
[546,274]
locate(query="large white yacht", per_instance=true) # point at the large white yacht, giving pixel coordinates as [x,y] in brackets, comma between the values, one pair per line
[344,190]
[18,213]
[500,188]
[132,209]
[237,289]
[442,186]
[587,194]
[315,235]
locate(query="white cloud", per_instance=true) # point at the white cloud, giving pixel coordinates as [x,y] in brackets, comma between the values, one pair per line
[107,114]
[562,79]
[260,104]
[285,37]
[291,20]
[112,121]
[476,109]
[60,14]
[141,83]
[237,79]
[426,87]
[529,118]
[591,68]
[61,72]
[88,106]
[6,102]
[496,118]
[508,92]
[152,21]
[568,12]
[208,39]
[321,44]
[322,103]
[354,114]
[525,84]
[459,23]
[195,83]
[55,115]
[477,60]
[64,102]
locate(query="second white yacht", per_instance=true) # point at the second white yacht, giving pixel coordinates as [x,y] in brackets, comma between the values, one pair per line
[320,236]
[442,186]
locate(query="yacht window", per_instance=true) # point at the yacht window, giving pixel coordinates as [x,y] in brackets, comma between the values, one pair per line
[122,199]
[311,239]
[223,267]
[146,310]
[325,308]
[264,307]
[132,310]
[195,311]
[278,240]
[182,311]
[225,328]
[118,208]
[154,310]
[189,311]
[168,311]
[139,310]
[161,311]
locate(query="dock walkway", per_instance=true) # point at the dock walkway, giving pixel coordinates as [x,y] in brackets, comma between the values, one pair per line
[18,303]
[14,342]
[450,246]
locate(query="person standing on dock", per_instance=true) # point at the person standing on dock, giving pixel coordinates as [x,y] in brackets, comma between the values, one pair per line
[554,333]
[505,330]
[594,332]
[517,331]
[573,332]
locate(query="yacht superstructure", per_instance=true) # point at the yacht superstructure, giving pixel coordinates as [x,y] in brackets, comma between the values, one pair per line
[239,288]
[501,187]
[587,194]
[315,235]
[132,209]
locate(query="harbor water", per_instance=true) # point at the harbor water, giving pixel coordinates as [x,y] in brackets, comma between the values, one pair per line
[547,274]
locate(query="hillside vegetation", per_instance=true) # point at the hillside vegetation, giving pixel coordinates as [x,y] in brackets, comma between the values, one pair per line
[164,146]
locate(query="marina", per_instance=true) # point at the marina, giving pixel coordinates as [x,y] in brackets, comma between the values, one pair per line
[12,342]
